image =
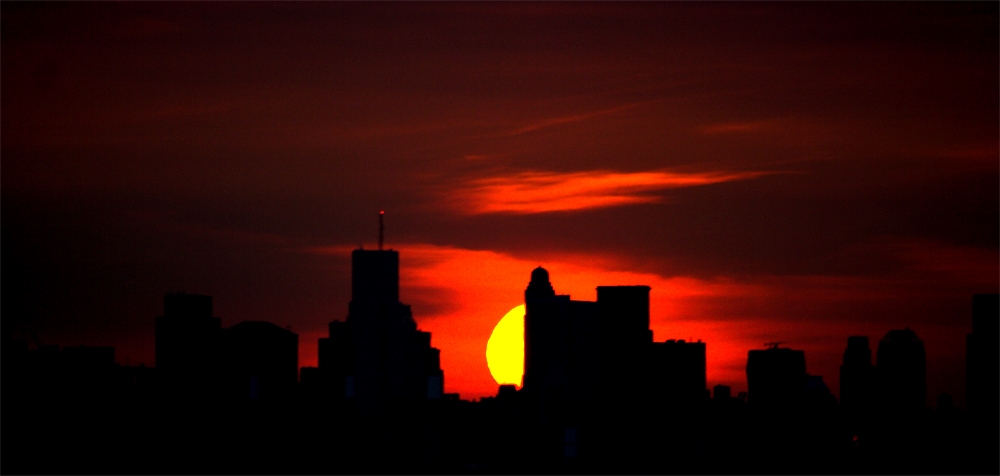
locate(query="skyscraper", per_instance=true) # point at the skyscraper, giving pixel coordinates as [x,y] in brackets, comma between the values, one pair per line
[982,357]
[569,345]
[624,314]
[775,376]
[581,355]
[857,375]
[982,360]
[187,344]
[260,360]
[901,371]
[547,336]
[377,354]
[677,371]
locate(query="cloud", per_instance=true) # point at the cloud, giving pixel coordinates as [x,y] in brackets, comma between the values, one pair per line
[986,153]
[727,127]
[539,192]
[555,121]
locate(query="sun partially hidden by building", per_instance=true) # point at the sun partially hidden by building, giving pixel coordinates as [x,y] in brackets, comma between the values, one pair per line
[580,350]
[580,356]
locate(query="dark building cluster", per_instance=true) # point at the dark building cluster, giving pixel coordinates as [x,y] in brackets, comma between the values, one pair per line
[569,345]
[378,354]
[195,356]
[599,396]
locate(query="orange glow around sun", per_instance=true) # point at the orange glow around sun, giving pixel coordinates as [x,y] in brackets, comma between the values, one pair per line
[505,349]
[456,295]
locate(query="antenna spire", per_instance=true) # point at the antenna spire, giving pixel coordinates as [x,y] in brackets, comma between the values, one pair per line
[381,228]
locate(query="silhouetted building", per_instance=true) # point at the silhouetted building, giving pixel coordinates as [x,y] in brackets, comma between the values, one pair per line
[74,373]
[581,356]
[89,370]
[624,314]
[335,363]
[775,376]
[567,343]
[546,325]
[187,344]
[817,394]
[378,354]
[560,344]
[48,356]
[89,357]
[677,371]
[626,339]
[721,392]
[857,375]
[260,360]
[506,392]
[902,371]
[982,358]
[137,383]
[313,384]
[945,403]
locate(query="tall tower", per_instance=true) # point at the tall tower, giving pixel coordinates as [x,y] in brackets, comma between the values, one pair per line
[982,360]
[378,354]
[539,288]
[261,360]
[902,370]
[982,356]
[187,343]
[625,336]
[374,281]
[676,372]
[624,318]
[543,335]
[383,330]
[857,376]
[775,376]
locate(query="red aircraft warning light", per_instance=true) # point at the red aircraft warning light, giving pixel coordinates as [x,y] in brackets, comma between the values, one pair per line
[380,229]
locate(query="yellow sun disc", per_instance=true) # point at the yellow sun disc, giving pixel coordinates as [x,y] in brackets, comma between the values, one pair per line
[505,349]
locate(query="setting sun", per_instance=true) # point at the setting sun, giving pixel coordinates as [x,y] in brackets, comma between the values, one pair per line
[505,349]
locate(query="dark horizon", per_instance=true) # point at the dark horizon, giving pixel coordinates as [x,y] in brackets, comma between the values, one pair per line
[385,287]
[375,403]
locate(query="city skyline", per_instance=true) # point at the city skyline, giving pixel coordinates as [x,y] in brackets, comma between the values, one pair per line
[227,401]
[197,343]
[774,172]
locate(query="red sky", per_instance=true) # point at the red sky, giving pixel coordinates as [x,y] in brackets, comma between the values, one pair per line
[795,172]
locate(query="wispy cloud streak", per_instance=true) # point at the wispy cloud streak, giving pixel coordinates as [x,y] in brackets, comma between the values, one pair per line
[555,121]
[734,127]
[539,192]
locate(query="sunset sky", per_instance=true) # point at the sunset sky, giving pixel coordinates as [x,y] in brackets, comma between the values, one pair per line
[794,172]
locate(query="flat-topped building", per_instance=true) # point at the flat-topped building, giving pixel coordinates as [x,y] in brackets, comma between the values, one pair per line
[377,353]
